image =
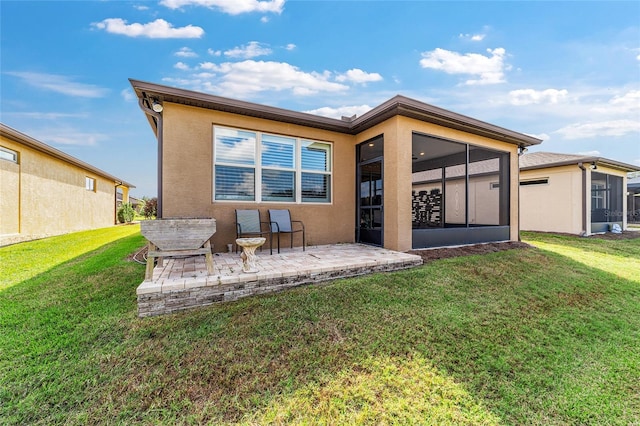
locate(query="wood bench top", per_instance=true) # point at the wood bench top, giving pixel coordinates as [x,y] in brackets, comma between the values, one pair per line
[178,234]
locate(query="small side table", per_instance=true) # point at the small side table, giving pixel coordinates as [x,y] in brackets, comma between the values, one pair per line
[248,255]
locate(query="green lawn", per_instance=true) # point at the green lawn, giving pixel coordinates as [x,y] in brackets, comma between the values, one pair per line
[536,336]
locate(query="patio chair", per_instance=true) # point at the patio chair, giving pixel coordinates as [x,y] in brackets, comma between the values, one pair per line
[248,225]
[281,223]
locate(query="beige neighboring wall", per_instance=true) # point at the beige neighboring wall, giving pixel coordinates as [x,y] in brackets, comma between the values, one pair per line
[43,195]
[552,207]
[188,176]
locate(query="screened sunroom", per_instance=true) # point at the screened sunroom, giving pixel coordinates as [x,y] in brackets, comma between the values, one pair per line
[460,193]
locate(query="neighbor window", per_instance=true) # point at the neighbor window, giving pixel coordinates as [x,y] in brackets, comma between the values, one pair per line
[256,166]
[89,184]
[8,154]
[543,181]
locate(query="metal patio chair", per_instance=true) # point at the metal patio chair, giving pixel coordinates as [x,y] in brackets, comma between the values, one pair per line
[248,225]
[281,223]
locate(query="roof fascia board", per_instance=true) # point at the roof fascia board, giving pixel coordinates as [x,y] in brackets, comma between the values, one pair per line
[235,106]
[398,105]
[27,140]
[598,160]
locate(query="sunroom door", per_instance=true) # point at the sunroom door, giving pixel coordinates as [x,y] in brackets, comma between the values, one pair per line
[370,190]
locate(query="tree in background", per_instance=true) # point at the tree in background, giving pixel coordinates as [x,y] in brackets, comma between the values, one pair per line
[150,208]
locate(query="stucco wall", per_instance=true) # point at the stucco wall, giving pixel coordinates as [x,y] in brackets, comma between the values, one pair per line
[558,205]
[188,176]
[552,207]
[42,196]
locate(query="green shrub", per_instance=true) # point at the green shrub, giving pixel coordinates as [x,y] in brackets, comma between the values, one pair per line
[126,213]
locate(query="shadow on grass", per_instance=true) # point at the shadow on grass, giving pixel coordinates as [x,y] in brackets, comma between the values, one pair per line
[26,260]
[55,325]
[515,337]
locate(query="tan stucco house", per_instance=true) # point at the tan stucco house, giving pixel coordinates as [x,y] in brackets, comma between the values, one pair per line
[576,194]
[45,192]
[404,175]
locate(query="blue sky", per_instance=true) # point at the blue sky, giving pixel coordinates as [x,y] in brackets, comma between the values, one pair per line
[566,72]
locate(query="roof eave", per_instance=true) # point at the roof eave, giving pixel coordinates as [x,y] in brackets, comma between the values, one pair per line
[27,140]
[598,160]
[398,105]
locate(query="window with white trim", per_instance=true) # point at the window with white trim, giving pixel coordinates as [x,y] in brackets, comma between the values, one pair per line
[8,154]
[256,166]
[89,184]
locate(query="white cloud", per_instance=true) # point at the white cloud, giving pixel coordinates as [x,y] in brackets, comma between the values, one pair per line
[77,138]
[140,7]
[473,37]
[487,69]
[629,101]
[232,7]
[128,95]
[68,136]
[186,52]
[343,111]
[249,77]
[156,29]
[214,52]
[590,153]
[181,66]
[61,84]
[45,115]
[264,19]
[251,50]
[356,75]
[290,46]
[611,128]
[531,96]
[541,136]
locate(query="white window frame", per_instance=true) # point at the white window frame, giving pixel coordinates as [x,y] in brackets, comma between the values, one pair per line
[8,154]
[90,183]
[600,197]
[257,167]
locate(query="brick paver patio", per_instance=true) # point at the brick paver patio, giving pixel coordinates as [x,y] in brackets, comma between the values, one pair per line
[183,283]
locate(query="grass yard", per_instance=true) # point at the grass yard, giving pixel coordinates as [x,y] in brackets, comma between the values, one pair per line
[531,336]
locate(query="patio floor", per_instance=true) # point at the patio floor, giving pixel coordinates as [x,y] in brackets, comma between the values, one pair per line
[183,283]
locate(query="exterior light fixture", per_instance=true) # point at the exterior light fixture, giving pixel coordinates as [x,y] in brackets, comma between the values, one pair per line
[593,166]
[371,144]
[522,150]
[156,106]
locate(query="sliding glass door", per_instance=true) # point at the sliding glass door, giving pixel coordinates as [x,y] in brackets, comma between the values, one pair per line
[370,192]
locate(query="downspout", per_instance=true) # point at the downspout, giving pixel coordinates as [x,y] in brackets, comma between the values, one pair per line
[521,149]
[584,198]
[158,118]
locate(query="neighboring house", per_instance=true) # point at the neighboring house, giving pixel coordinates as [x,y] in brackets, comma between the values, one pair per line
[135,202]
[404,175]
[45,192]
[576,194]
[633,200]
